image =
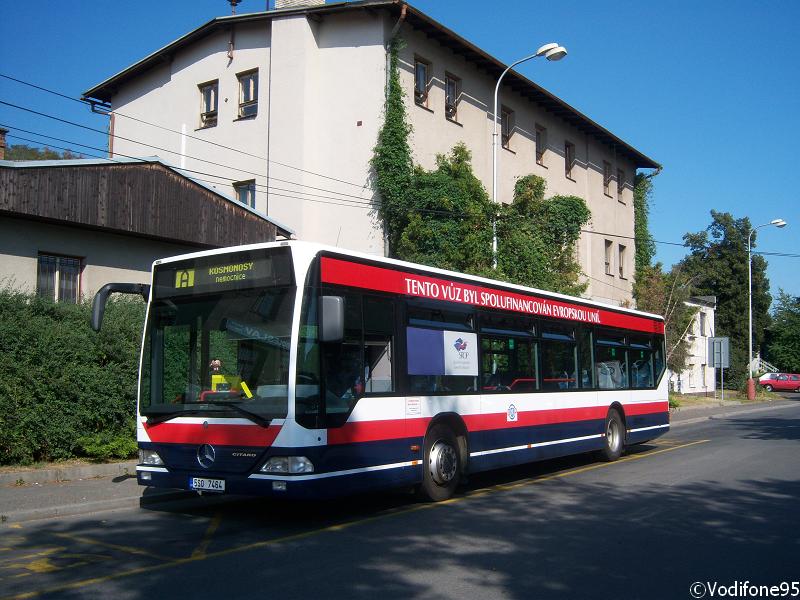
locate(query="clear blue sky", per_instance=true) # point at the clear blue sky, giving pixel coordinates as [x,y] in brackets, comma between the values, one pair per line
[708,89]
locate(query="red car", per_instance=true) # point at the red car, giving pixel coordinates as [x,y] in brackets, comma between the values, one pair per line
[783,381]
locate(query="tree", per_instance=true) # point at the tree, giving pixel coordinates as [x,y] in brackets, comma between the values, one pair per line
[447,217]
[666,294]
[23,152]
[783,347]
[537,237]
[718,264]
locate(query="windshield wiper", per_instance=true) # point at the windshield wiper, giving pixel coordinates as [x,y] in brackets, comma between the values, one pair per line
[155,418]
[253,416]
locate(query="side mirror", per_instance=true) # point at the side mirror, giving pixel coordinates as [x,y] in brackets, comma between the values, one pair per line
[101,297]
[331,319]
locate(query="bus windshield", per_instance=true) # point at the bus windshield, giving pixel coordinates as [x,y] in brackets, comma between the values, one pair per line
[217,336]
[224,353]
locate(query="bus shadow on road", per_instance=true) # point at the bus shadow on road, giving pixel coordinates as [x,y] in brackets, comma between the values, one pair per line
[270,512]
[648,537]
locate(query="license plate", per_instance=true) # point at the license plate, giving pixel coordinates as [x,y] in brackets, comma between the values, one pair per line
[203,484]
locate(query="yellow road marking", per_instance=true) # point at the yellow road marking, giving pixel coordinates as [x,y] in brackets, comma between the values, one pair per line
[128,549]
[200,551]
[36,555]
[338,527]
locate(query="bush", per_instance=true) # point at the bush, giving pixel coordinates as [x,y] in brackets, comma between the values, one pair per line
[60,381]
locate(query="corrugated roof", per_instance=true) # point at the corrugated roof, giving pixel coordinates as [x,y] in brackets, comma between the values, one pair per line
[105,91]
[84,162]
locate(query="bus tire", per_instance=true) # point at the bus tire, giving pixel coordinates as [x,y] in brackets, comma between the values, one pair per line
[614,436]
[442,464]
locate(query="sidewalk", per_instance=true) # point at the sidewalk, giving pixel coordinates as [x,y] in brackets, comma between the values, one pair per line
[28,494]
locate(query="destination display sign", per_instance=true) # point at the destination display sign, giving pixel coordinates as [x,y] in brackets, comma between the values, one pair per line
[342,272]
[223,272]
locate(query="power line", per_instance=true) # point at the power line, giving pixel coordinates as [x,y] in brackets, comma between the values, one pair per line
[193,137]
[363,202]
[176,153]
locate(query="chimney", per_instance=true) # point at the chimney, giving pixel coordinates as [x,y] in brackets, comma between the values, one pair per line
[279,4]
[3,133]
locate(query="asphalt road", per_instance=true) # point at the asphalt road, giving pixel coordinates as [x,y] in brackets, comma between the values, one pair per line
[714,501]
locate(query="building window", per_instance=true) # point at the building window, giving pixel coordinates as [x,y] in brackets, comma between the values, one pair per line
[607,178]
[609,246]
[621,264]
[620,184]
[452,91]
[208,103]
[569,159]
[58,278]
[702,323]
[421,70]
[248,94]
[506,126]
[246,192]
[541,144]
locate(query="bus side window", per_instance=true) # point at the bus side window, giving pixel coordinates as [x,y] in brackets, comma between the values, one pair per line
[342,363]
[378,345]
[559,358]
[611,361]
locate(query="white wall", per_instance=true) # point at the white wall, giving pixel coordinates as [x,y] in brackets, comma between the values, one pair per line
[169,96]
[327,77]
[698,377]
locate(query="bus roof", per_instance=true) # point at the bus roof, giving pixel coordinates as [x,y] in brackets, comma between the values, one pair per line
[315,248]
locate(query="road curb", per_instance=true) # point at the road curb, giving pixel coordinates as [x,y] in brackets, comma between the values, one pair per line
[148,498]
[730,413]
[70,473]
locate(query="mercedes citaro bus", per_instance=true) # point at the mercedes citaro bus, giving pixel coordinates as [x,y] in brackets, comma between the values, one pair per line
[297,370]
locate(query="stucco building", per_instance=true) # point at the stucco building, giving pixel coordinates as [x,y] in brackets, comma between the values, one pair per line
[698,377]
[283,109]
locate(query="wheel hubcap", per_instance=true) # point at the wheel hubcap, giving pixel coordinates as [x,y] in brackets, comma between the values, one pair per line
[443,462]
[612,435]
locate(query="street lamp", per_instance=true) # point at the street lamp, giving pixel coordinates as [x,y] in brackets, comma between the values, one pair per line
[751,385]
[551,51]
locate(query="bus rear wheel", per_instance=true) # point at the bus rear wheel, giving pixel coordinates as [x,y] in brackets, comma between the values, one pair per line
[614,436]
[442,468]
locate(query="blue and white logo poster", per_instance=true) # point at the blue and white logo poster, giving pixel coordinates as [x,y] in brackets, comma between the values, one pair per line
[460,353]
[432,352]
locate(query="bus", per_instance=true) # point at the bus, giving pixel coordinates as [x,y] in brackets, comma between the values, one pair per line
[297,370]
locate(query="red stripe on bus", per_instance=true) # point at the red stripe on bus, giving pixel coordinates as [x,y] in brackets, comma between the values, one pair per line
[374,431]
[646,408]
[222,435]
[342,272]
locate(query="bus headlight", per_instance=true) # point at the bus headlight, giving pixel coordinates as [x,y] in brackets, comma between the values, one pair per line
[288,464]
[150,457]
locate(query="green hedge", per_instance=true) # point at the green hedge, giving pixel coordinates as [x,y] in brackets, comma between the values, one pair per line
[66,391]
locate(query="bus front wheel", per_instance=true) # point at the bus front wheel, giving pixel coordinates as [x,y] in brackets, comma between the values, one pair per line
[442,468]
[614,436]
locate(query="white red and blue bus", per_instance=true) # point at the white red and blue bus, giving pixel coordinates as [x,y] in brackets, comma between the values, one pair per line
[297,370]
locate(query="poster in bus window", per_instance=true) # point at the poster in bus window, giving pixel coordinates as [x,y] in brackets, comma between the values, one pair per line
[460,353]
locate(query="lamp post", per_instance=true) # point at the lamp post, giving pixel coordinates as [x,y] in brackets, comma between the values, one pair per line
[751,385]
[551,52]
